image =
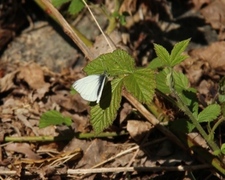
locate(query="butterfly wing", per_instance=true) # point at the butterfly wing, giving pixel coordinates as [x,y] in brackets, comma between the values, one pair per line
[88,87]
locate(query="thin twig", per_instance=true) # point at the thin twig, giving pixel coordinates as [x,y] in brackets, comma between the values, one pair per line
[138,169]
[99,27]
[116,156]
[117,170]
[68,29]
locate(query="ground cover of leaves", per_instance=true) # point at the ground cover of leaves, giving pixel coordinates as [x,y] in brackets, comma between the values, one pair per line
[38,67]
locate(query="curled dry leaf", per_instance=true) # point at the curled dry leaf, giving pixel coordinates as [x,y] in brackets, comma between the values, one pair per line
[213,54]
[33,75]
[138,129]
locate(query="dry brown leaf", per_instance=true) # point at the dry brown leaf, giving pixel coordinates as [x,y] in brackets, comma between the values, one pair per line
[94,151]
[42,90]
[213,54]
[138,129]
[25,121]
[47,131]
[199,3]
[6,83]
[214,14]
[33,75]
[192,67]
[127,108]
[101,46]
[128,6]
[23,148]
[68,101]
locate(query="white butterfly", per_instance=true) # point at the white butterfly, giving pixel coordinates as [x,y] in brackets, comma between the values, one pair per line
[90,88]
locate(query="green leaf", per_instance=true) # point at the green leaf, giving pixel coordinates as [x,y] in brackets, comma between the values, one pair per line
[178,60]
[53,118]
[210,113]
[156,63]
[190,99]
[162,54]
[181,81]
[194,107]
[182,125]
[217,152]
[73,91]
[102,117]
[178,49]
[115,63]
[161,82]
[141,84]
[221,98]
[75,7]
[58,3]
[223,148]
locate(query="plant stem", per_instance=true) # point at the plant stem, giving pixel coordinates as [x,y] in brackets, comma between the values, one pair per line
[187,111]
[215,126]
[63,138]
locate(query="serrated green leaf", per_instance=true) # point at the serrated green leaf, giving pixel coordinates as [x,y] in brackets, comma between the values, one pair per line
[195,108]
[75,7]
[181,81]
[178,49]
[58,3]
[162,53]
[141,84]
[53,118]
[210,113]
[102,118]
[156,63]
[181,85]
[161,82]
[116,63]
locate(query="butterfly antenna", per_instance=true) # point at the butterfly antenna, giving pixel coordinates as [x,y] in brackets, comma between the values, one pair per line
[107,40]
